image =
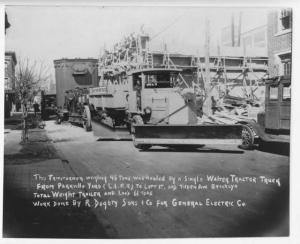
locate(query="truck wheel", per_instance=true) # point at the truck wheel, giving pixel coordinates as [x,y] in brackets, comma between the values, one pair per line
[247,138]
[58,120]
[136,120]
[86,127]
[103,115]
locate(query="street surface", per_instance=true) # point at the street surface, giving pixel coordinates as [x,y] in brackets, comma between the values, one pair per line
[80,154]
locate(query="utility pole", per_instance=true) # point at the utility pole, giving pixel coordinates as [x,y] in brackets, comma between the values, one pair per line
[199,73]
[239,30]
[207,85]
[166,56]
[232,31]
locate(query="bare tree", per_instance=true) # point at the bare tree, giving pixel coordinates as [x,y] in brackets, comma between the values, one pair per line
[28,78]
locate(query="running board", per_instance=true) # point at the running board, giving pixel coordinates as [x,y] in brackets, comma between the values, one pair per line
[157,141]
[113,139]
[187,134]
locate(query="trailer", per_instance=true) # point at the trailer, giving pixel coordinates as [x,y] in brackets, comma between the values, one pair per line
[76,108]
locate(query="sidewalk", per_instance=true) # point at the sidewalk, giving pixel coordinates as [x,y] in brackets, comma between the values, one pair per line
[20,218]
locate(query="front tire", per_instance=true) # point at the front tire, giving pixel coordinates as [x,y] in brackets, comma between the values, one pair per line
[247,138]
[137,120]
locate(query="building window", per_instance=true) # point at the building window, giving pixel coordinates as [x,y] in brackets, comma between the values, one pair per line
[285,63]
[273,93]
[7,84]
[259,37]
[247,41]
[6,69]
[286,92]
[285,19]
[287,67]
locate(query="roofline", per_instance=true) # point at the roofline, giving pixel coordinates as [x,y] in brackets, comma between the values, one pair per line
[179,55]
[153,69]
[75,59]
[278,79]
[255,28]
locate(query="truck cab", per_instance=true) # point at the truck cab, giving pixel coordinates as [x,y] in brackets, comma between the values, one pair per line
[278,106]
[154,91]
[273,125]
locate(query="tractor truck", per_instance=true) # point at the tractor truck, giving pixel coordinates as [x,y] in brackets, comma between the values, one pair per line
[156,111]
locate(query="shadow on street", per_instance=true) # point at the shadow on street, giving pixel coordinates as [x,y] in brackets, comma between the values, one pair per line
[275,148]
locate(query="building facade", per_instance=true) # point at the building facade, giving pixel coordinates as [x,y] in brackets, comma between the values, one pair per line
[280,42]
[9,82]
[226,35]
[72,73]
[255,38]
[278,89]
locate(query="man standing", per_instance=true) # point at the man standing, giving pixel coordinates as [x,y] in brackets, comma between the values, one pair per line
[36,104]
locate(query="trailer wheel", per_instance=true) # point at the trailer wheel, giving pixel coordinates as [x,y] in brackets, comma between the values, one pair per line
[58,120]
[247,138]
[136,120]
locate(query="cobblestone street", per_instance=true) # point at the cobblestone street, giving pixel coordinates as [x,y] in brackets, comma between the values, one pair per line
[66,150]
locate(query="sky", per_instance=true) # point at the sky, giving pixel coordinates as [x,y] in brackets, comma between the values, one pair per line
[46,33]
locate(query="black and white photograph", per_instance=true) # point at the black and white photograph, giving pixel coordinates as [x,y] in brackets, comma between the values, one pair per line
[141,122]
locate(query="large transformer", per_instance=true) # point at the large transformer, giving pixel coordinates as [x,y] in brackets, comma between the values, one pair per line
[149,94]
[74,73]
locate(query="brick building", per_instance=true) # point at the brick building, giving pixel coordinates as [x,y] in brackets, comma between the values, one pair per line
[72,73]
[278,94]
[280,42]
[9,83]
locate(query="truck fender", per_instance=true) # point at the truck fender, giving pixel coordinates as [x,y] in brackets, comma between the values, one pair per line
[258,130]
